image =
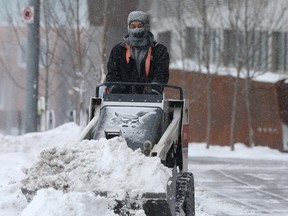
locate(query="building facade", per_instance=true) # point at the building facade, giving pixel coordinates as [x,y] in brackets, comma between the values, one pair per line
[224,32]
[70,61]
[247,36]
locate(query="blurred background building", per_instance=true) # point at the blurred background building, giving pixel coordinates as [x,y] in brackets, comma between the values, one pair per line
[240,39]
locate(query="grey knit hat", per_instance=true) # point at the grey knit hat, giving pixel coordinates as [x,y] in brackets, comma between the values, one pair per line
[139,36]
[139,16]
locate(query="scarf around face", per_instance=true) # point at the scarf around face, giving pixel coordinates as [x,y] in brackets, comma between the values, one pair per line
[139,47]
[139,37]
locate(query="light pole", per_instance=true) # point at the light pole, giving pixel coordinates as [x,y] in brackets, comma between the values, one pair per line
[32,68]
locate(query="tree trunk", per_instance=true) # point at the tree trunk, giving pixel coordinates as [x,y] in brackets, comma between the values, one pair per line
[209,98]
[248,76]
[248,107]
[206,58]
[104,41]
[233,116]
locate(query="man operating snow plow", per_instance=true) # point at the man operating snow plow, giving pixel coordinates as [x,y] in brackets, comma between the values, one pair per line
[133,155]
[159,127]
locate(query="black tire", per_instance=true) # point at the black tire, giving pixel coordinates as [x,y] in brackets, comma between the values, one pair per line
[185,198]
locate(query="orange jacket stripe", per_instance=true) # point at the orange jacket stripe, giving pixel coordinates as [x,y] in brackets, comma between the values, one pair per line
[147,62]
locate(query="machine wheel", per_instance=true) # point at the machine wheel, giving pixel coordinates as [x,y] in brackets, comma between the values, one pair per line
[185,194]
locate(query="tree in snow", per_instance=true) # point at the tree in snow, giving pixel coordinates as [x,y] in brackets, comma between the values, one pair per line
[250,27]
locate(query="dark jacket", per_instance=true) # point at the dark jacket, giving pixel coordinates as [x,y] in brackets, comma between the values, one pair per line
[120,71]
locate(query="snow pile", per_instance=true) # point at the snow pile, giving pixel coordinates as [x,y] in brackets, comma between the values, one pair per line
[50,202]
[16,152]
[104,165]
[35,142]
[19,151]
[66,176]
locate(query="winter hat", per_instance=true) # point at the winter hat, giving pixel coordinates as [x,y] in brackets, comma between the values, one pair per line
[139,16]
[139,36]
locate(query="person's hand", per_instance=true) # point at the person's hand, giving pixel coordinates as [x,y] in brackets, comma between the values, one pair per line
[153,90]
[117,89]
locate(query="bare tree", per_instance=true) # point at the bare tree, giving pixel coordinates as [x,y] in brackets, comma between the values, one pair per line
[206,61]
[70,25]
[250,25]
[106,24]
[244,25]
[48,56]
[207,42]
[48,52]
[18,34]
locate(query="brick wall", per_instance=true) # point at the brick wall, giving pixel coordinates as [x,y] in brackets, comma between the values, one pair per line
[266,119]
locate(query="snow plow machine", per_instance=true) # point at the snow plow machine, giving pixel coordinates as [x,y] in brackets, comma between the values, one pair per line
[159,127]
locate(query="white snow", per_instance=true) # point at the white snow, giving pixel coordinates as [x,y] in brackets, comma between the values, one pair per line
[77,166]
[241,151]
[65,173]
[50,202]
[103,166]
[261,76]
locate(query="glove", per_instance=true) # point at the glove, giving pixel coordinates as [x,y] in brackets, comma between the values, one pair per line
[117,89]
[157,90]
[154,91]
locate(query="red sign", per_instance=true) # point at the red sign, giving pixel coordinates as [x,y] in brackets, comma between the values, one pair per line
[28,14]
[185,135]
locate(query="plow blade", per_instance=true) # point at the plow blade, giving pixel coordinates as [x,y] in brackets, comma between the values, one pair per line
[152,203]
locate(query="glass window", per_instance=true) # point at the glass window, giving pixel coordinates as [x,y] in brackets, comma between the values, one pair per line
[165,38]
[282,51]
[214,48]
[22,53]
[194,41]
[194,44]
[229,47]
[262,58]
[279,51]
[258,49]
[190,42]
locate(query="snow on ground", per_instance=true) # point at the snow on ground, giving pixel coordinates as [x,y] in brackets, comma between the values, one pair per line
[54,163]
[103,166]
[72,167]
[190,65]
[241,151]
[53,202]
[247,181]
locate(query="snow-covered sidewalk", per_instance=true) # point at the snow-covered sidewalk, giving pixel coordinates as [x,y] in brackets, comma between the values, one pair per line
[22,154]
[65,173]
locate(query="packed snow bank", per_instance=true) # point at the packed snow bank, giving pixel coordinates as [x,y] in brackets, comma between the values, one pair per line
[35,142]
[241,151]
[103,166]
[16,152]
[19,151]
[78,169]
[50,202]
